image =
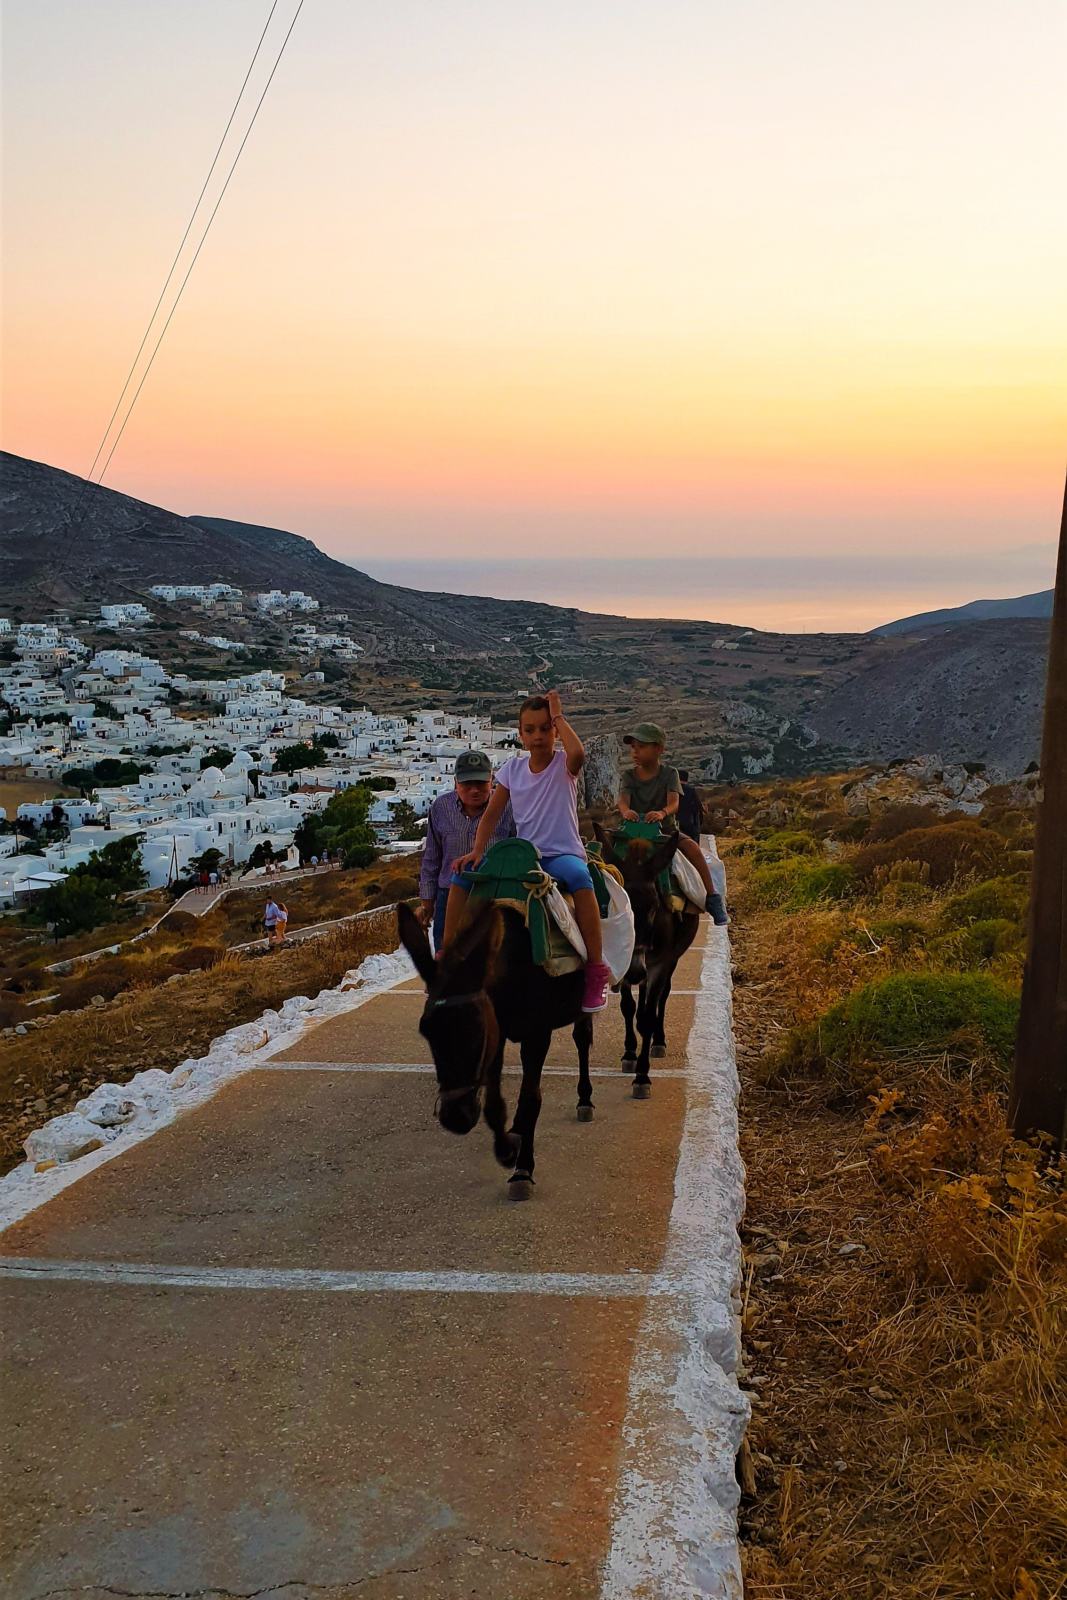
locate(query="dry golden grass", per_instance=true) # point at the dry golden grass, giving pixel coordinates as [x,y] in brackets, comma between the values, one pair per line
[908,1433]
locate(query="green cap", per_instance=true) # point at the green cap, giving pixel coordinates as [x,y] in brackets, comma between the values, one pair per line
[646,733]
[473,766]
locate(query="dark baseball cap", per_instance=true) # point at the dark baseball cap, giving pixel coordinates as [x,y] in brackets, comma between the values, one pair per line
[646,733]
[473,766]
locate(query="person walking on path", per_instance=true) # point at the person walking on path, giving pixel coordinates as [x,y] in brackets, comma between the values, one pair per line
[690,808]
[272,915]
[450,830]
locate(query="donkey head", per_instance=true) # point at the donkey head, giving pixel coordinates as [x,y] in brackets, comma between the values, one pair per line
[458,1021]
[640,861]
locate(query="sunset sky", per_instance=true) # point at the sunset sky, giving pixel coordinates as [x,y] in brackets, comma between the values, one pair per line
[537,278]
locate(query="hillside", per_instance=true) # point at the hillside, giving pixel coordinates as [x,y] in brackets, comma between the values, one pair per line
[1024,605]
[972,693]
[736,702]
[60,548]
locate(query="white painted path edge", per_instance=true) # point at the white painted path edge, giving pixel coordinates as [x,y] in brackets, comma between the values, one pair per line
[162,1096]
[674,1521]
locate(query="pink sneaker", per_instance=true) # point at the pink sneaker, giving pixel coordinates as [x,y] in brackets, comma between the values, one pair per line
[597,980]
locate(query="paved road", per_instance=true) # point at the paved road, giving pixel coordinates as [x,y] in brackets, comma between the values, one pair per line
[299,1344]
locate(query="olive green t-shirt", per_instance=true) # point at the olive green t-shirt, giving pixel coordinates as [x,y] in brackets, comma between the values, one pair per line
[650,794]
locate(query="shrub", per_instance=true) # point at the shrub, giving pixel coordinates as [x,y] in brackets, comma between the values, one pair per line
[910,1011]
[895,820]
[979,942]
[798,882]
[779,846]
[996,898]
[953,850]
[897,933]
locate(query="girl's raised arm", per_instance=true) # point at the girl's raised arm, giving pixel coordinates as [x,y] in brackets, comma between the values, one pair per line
[573,748]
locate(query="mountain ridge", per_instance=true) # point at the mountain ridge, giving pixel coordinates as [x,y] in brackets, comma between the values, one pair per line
[1038,604]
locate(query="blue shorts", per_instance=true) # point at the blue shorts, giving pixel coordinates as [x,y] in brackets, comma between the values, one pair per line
[570,872]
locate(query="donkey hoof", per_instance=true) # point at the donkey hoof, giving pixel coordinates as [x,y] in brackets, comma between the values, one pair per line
[585,1113]
[520,1186]
[629,1063]
[506,1148]
[658,1050]
[642,1091]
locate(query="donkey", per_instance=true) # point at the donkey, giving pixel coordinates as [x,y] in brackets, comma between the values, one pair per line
[485,990]
[661,938]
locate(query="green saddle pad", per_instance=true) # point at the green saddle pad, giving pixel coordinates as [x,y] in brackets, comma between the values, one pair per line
[511,870]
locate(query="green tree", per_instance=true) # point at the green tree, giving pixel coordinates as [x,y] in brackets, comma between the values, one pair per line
[407,823]
[206,861]
[74,906]
[87,896]
[291,757]
[218,757]
[342,827]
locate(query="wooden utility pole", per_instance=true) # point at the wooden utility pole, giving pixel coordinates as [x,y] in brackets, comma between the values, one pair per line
[1039,1086]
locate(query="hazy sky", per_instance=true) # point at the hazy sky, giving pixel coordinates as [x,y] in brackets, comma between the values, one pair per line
[538,276]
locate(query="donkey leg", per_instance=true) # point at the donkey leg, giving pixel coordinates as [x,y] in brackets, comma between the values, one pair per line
[646,1022]
[583,1040]
[629,1009]
[659,1038]
[495,1112]
[533,1049]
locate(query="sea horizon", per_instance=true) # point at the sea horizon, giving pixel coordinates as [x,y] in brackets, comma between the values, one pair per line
[817,594]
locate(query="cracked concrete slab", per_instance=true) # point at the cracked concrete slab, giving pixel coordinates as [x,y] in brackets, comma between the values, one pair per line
[254,1443]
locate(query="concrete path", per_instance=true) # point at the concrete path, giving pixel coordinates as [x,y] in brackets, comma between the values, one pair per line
[299,1344]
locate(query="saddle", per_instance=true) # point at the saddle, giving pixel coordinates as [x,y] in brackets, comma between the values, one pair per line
[511,874]
[653,834]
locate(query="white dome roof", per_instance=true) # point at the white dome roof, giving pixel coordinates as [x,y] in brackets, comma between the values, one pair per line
[209,778]
[241,762]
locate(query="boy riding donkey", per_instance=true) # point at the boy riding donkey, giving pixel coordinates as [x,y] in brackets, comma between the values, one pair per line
[652,791]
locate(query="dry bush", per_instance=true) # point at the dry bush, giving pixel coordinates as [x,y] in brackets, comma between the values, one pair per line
[952,851]
[908,1437]
[898,819]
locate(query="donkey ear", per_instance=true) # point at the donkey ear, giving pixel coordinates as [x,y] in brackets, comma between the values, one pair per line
[475,946]
[415,942]
[605,836]
[661,856]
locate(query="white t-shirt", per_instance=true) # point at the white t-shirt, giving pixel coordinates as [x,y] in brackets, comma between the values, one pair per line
[544,804]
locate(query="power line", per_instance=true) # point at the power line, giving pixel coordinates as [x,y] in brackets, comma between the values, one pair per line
[61,563]
[181,247]
[200,246]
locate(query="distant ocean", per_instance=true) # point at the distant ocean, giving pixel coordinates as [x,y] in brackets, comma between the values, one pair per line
[788,594]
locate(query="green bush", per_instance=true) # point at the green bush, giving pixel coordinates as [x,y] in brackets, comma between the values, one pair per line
[995,899]
[910,1011]
[798,882]
[780,846]
[979,942]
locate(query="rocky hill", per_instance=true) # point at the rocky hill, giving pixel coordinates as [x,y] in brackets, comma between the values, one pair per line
[64,543]
[1024,605]
[736,702]
[974,693]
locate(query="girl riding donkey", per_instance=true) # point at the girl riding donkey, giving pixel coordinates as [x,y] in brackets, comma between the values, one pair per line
[485,987]
[542,786]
